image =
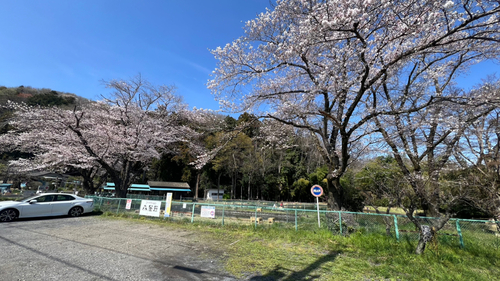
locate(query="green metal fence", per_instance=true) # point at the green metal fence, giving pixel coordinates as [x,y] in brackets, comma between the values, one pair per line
[154,197]
[269,204]
[461,232]
[146,197]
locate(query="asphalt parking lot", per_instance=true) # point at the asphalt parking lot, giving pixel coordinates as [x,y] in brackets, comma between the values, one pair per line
[95,248]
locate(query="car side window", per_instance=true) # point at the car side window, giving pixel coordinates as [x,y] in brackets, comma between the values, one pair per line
[64,198]
[46,198]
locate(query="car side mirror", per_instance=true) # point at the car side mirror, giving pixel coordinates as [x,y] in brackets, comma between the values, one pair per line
[33,201]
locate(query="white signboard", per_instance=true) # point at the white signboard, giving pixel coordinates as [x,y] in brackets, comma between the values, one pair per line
[150,208]
[207,212]
[129,204]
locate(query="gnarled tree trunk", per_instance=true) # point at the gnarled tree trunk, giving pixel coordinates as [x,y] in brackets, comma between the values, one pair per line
[426,235]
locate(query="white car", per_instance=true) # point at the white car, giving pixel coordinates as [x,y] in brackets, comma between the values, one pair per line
[45,205]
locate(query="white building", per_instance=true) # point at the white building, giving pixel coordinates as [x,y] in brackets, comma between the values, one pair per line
[211,194]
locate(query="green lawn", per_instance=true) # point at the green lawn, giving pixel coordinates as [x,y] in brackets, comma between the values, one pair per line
[284,254]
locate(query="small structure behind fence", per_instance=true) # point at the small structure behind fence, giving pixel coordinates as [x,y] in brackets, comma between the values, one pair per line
[458,232]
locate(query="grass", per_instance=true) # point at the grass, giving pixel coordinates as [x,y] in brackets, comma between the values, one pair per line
[277,253]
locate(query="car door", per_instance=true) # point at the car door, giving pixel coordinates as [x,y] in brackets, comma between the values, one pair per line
[42,207]
[61,204]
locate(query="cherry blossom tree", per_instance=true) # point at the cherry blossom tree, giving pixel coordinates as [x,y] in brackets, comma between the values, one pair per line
[120,134]
[313,63]
[423,141]
[478,155]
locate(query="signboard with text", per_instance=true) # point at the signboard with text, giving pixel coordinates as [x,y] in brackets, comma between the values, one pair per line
[168,205]
[129,204]
[207,212]
[150,208]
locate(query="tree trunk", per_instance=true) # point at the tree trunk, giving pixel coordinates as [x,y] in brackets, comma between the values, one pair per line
[249,195]
[233,189]
[218,187]
[87,183]
[425,236]
[197,185]
[387,226]
[6,177]
[122,179]
[88,176]
[427,233]
[121,188]
[334,192]
[387,220]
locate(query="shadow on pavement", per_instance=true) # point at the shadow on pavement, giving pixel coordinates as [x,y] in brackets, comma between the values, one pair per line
[91,214]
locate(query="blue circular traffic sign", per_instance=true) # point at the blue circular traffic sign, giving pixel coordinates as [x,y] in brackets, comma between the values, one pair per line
[317,190]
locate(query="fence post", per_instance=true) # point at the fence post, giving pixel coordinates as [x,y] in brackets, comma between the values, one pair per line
[256,217]
[396,227]
[223,207]
[340,222]
[118,208]
[100,205]
[192,213]
[295,219]
[460,234]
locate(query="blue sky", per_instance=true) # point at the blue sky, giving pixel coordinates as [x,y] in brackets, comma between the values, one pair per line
[71,45]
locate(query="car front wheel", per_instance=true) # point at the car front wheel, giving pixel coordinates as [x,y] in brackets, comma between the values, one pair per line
[8,215]
[75,211]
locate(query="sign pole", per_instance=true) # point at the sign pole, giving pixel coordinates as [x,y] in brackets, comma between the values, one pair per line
[317,191]
[317,205]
